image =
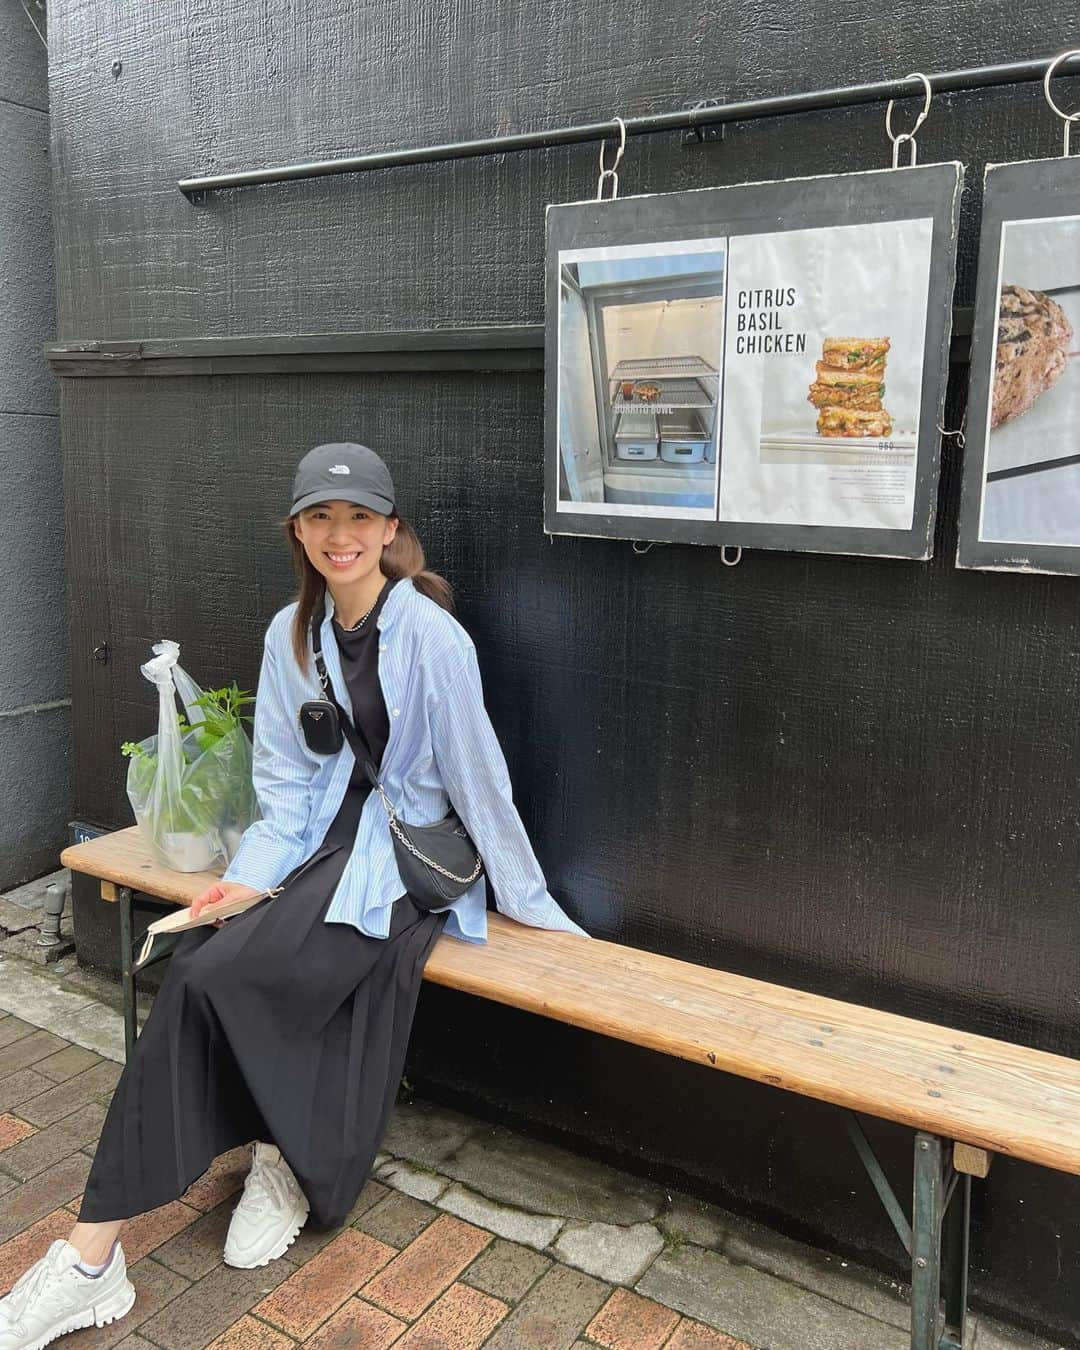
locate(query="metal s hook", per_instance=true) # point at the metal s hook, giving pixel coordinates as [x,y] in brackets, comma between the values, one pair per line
[908,136]
[1067,118]
[610,174]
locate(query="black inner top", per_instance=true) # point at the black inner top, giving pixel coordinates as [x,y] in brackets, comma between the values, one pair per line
[359,652]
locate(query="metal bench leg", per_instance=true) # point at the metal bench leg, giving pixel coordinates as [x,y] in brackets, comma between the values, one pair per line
[942,1208]
[954,1251]
[127,972]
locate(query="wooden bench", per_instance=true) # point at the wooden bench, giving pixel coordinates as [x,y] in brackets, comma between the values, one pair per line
[966,1097]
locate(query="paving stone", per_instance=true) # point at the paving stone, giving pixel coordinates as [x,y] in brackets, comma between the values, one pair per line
[155,1287]
[356,1324]
[629,1322]
[22,1053]
[93,1084]
[421,1185]
[48,1146]
[759,1308]
[427,1267]
[693,1220]
[20,1086]
[145,1233]
[94,1026]
[553,1314]
[224,1177]
[66,1063]
[397,1220]
[313,1239]
[462,1319]
[12,1130]
[250,1334]
[425,1133]
[618,1255]
[314,1292]
[695,1336]
[23,1249]
[506,1270]
[205,1309]
[32,993]
[12,1028]
[16,918]
[752,1244]
[533,1230]
[31,1200]
[545,1180]
[197,1246]
[992,1335]
[27,946]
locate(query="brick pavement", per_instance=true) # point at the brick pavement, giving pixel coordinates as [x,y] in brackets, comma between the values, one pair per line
[400,1272]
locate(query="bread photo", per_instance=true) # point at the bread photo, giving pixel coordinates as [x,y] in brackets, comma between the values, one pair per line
[862,389]
[835,421]
[1033,340]
[848,353]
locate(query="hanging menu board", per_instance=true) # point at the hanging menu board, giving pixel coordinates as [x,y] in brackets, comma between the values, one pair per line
[761,365]
[1020,508]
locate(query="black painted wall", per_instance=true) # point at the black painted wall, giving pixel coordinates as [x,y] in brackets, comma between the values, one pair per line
[854,776]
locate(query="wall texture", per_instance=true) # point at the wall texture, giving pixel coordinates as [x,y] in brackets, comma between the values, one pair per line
[35,704]
[854,776]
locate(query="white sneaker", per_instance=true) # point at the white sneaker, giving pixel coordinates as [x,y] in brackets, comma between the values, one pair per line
[52,1298]
[270,1213]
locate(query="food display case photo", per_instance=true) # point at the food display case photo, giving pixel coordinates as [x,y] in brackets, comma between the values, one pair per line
[642,346]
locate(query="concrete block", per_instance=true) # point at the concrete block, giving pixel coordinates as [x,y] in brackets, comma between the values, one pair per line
[759,1308]
[820,1272]
[402,1176]
[541,1179]
[424,1133]
[618,1255]
[531,1230]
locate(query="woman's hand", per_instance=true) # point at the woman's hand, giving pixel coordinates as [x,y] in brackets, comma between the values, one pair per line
[220,890]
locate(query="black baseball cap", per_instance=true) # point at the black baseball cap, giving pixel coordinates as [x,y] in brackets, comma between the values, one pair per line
[342,471]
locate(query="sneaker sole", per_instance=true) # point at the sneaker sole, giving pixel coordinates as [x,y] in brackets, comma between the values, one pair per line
[98,1316]
[279,1248]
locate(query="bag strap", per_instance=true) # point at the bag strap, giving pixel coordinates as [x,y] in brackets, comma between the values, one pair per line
[358,742]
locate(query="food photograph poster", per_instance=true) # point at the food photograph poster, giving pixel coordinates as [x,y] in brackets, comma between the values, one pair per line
[760,365]
[1021,500]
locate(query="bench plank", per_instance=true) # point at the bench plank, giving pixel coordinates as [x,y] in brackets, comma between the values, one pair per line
[991,1094]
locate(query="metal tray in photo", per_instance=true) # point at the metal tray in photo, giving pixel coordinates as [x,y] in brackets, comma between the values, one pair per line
[636,436]
[682,438]
[663,367]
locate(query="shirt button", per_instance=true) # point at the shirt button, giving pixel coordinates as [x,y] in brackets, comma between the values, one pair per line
[397,712]
[382,646]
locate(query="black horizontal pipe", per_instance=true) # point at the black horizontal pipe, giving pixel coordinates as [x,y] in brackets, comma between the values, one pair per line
[493,347]
[944,82]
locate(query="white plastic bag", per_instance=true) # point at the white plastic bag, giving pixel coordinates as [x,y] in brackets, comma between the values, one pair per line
[190,787]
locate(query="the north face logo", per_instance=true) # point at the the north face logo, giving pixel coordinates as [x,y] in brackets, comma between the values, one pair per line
[339,468]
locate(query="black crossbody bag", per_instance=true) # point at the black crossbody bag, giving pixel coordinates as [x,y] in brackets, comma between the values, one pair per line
[438,863]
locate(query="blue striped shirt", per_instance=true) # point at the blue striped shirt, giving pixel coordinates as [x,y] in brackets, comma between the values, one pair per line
[442,747]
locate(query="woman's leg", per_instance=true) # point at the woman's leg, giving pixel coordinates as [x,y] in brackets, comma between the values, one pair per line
[93,1241]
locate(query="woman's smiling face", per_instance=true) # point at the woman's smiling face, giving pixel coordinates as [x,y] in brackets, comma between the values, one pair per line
[342,540]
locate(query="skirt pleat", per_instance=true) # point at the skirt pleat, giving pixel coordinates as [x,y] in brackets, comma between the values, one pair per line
[276,1026]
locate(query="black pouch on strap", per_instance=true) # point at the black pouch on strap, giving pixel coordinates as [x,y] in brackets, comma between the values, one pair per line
[439,862]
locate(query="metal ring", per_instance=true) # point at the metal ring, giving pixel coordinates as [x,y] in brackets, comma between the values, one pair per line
[737,552]
[928,95]
[1064,56]
[1067,118]
[604,170]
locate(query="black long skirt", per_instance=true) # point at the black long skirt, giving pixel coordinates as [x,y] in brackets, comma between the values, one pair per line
[276,1026]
